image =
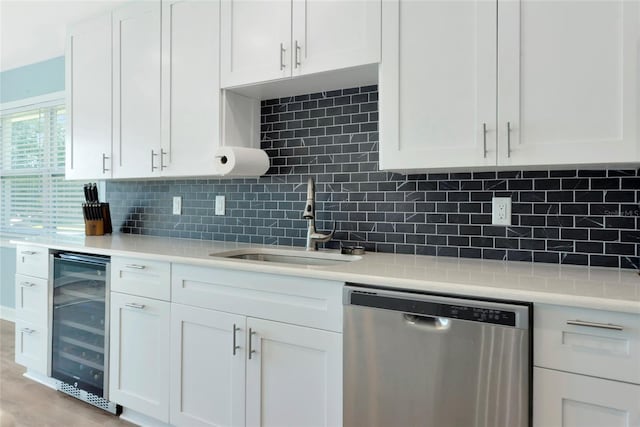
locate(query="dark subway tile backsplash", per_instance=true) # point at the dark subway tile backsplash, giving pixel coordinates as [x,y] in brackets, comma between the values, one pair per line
[582,217]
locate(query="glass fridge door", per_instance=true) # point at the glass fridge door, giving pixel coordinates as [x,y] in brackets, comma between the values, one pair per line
[79,342]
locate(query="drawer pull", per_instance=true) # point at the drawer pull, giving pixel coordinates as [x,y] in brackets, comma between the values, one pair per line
[28,252]
[136,266]
[27,284]
[595,325]
[136,306]
[27,331]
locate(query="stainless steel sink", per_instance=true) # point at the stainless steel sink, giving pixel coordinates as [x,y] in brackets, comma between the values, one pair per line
[283,256]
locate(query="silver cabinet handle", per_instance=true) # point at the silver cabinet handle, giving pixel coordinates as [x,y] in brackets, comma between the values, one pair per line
[508,140]
[104,165]
[251,350]
[282,51]
[136,266]
[162,154]
[28,252]
[235,345]
[27,284]
[297,61]
[609,326]
[153,154]
[484,140]
[27,331]
[135,305]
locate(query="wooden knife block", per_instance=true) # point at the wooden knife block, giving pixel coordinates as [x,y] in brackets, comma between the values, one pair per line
[99,227]
[94,227]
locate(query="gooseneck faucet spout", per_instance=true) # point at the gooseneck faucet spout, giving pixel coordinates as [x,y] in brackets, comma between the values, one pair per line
[313,237]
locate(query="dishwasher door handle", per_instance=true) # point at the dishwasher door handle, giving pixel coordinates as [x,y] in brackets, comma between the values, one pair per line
[431,322]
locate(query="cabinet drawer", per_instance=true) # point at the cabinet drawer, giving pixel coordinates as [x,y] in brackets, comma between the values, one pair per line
[31,345]
[561,399]
[141,277]
[32,261]
[301,301]
[31,299]
[592,342]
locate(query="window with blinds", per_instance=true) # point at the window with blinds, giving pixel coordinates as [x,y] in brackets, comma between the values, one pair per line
[34,196]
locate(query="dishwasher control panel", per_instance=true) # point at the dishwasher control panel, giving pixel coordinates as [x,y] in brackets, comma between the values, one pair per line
[498,317]
[438,306]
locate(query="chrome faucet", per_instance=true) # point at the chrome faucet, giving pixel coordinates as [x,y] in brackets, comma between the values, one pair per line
[313,237]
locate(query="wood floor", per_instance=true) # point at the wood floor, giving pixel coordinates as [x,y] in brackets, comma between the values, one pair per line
[25,403]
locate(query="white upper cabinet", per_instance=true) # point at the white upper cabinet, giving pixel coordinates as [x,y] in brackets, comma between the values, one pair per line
[464,85]
[136,95]
[268,40]
[190,88]
[569,82]
[329,35]
[165,119]
[88,83]
[437,84]
[255,41]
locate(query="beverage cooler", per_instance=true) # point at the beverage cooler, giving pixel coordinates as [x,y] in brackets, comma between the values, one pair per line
[80,327]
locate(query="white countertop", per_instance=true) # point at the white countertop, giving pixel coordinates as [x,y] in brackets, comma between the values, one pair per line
[589,287]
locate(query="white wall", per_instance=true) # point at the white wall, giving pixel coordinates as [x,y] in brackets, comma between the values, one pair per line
[34,31]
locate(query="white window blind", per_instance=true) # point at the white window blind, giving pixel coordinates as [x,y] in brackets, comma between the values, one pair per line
[34,196]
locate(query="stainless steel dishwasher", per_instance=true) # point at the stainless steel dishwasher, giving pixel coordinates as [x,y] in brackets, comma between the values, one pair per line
[413,359]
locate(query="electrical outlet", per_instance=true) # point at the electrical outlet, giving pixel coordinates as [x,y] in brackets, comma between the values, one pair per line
[501,211]
[219,205]
[177,205]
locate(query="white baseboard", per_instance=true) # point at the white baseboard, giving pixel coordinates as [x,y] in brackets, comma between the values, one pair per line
[139,419]
[42,379]
[7,313]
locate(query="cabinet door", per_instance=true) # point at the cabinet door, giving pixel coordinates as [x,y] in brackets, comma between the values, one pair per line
[437,84]
[569,82]
[568,400]
[31,299]
[191,87]
[330,35]
[31,346]
[255,41]
[294,375]
[88,84]
[207,367]
[139,354]
[136,96]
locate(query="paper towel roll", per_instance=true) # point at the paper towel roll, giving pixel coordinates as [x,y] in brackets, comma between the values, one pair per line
[241,161]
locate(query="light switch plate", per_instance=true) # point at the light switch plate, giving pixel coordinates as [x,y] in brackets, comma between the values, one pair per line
[501,211]
[177,205]
[220,205]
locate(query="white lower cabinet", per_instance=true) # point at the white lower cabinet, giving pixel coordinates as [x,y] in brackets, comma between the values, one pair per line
[562,399]
[31,346]
[207,367]
[252,349]
[139,354]
[32,308]
[294,375]
[586,367]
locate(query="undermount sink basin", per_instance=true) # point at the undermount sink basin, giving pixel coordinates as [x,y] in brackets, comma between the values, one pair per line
[283,256]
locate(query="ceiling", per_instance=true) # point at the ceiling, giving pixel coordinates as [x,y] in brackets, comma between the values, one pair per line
[34,30]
